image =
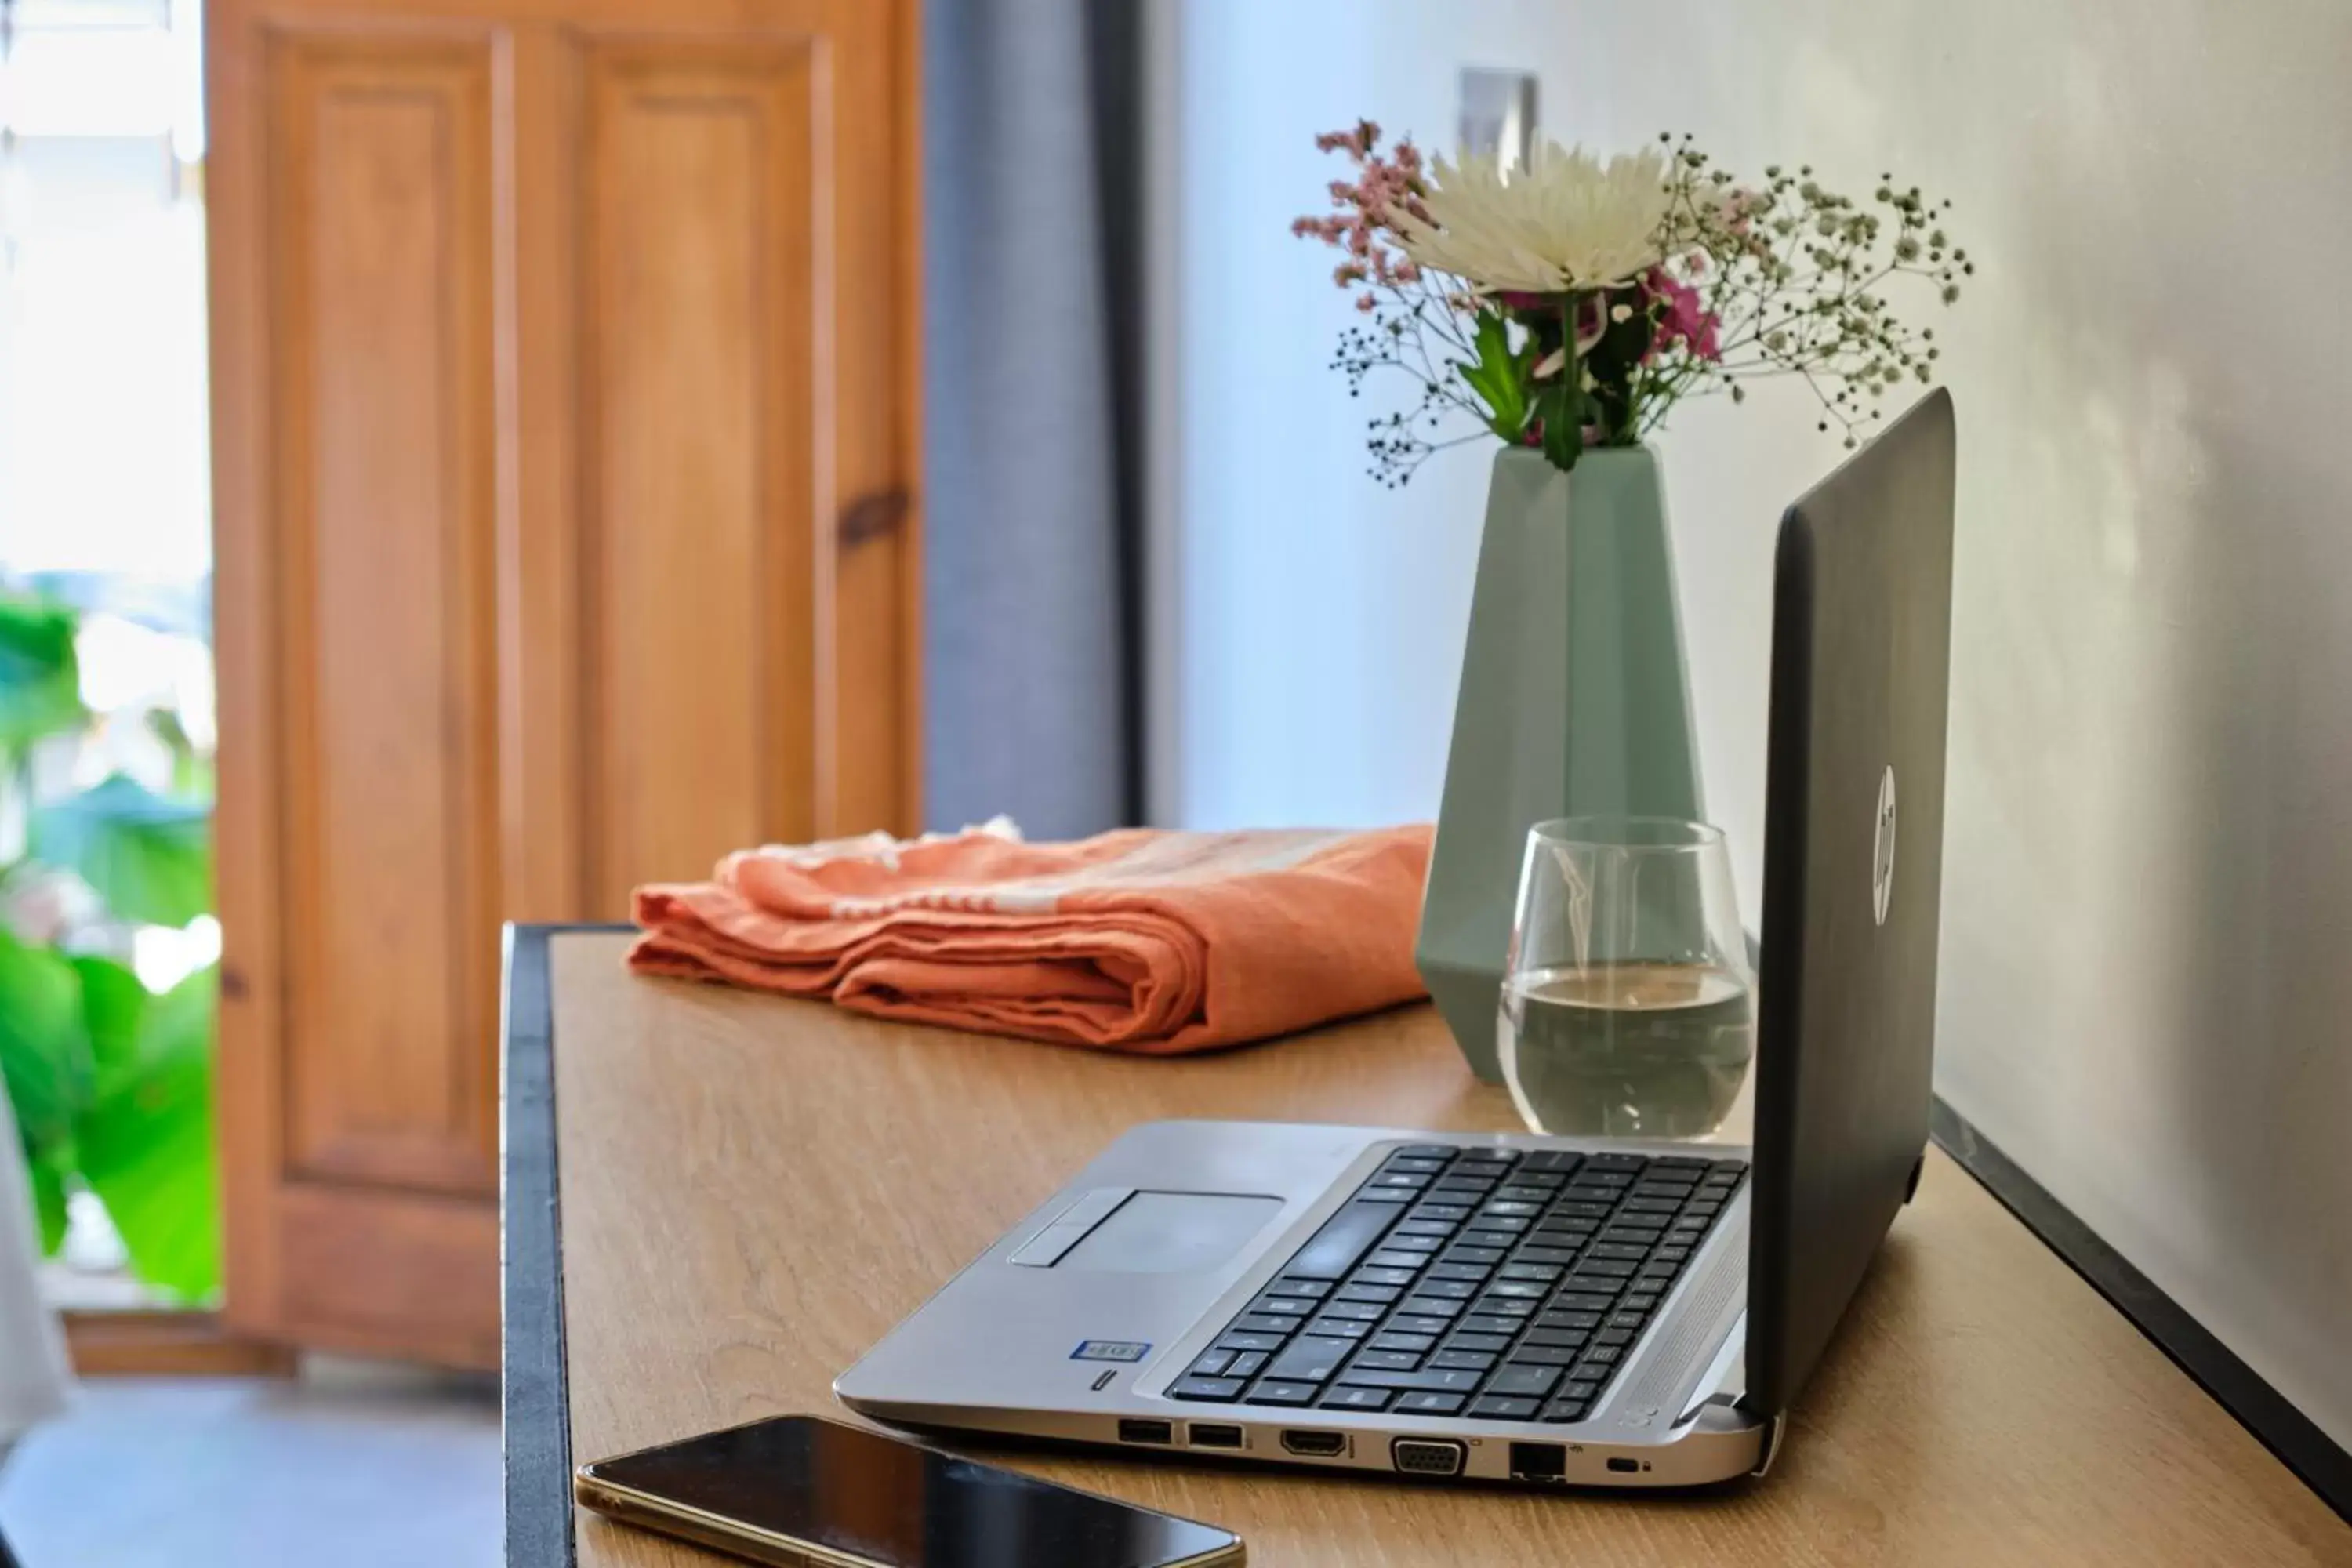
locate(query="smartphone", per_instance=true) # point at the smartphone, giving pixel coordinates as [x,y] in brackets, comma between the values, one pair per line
[806,1492]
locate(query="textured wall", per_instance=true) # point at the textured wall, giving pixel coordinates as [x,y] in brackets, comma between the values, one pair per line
[2149,862]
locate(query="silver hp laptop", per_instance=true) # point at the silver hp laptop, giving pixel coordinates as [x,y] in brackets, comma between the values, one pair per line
[1525,1309]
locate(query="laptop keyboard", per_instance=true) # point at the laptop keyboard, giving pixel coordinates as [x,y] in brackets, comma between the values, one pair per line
[1484,1284]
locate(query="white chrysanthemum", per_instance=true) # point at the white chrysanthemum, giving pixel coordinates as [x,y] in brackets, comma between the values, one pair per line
[1562,222]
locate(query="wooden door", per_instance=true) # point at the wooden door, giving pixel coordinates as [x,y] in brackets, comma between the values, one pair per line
[564,370]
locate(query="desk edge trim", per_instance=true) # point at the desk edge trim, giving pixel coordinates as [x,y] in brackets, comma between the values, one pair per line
[2291,1437]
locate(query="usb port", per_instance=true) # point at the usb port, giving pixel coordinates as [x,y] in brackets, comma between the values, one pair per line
[1214,1435]
[1132,1431]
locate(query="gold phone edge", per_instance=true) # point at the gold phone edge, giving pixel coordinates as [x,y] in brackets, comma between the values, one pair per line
[724,1534]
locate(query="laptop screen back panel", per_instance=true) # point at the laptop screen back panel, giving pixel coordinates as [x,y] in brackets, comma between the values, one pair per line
[1853,873]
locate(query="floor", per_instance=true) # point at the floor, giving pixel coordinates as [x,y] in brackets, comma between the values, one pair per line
[360,1466]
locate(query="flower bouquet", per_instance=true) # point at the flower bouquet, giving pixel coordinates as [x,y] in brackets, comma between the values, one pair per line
[1564,310]
[1572,304]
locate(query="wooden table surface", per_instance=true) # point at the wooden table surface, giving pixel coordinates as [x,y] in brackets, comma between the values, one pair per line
[752,1192]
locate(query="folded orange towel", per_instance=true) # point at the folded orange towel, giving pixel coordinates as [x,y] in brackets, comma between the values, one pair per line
[1140,940]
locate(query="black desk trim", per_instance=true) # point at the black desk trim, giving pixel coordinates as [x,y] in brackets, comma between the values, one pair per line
[537,1397]
[2278,1425]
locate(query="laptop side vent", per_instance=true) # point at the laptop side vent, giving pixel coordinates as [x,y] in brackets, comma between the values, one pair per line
[1670,1364]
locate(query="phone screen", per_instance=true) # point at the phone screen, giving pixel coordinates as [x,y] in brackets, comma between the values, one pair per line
[871,1496]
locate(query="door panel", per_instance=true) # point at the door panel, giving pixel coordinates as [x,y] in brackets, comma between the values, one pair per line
[380,254]
[564,433]
[699,243]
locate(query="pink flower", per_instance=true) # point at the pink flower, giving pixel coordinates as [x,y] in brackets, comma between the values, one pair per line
[1685,319]
[1365,303]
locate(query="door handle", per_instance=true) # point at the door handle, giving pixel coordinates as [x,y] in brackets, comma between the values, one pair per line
[871,517]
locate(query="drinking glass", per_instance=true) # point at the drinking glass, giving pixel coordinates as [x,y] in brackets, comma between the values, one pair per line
[1628,1002]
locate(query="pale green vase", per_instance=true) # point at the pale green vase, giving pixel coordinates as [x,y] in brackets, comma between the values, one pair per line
[1574,702]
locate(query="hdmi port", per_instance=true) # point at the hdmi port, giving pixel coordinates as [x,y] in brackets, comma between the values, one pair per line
[1314,1444]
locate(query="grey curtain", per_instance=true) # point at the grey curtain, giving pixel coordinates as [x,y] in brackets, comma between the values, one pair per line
[1031,532]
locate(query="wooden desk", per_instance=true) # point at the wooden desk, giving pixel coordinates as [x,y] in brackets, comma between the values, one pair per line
[753,1191]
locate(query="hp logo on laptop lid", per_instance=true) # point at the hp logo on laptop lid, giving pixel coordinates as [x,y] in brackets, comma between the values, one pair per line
[1882,856]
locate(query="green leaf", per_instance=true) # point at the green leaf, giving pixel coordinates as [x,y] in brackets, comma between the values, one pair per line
[1561,408]
[150,859]
[40,680]
[114,1007]
[148,1148]
[48,1203]
[1499,377]
[44,1054]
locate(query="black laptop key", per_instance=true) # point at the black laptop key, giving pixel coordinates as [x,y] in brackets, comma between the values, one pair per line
[1272,1391]
[1614,1337]
[1601,1355]
[1213,1363]
[1638,1301]
[1309,1288]
[1452,1289]
[1551,1160]
[1457,1359]
[1614,1161]
[1672,1254]
[1536,1273]
[1583,1208]
[1497,1407]
[1511,1208]
[1427,1152]
[1469,1254]
[1248,1339]
[1497,1224]
[1358,1399]
[1516,1381]
[1507,1327]
[1413,1225]
[1311,1359]
[1556,1339]
[1621,1251]
[1405,1251]
[1505,1306]
[1345,1237]
[1385,1196]
[1362,1312]
[1339,1327]
[1565,1410]
[1571,1300]
[1205,1388]
[1404,1181]
[1628,1318]
[1533,1290]
[1589,1267]
[1383,1360]
[1441,1380]
[1553,1256]
[1374,1295]
[1488,1343]
[1580,1387]
[1373,1275]
[1427,1403]
[1284,1306]
[1417,1344]
[1543,1356]
[1439,1307]
[1459,1272]
[1262,1324]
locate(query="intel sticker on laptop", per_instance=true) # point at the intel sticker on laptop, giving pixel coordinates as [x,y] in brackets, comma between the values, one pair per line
[1110,1350]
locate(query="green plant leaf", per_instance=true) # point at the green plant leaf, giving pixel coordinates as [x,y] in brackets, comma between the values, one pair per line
[150,859]
[48,1203]
[45,1055]
[1498,378]
[148,1149]
[40,679]
[115,1007]
[1561,408]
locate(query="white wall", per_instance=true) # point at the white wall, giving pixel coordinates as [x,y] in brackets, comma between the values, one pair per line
[2149,849]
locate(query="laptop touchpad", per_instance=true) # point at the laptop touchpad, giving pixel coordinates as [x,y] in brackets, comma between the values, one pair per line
[1172,1233]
